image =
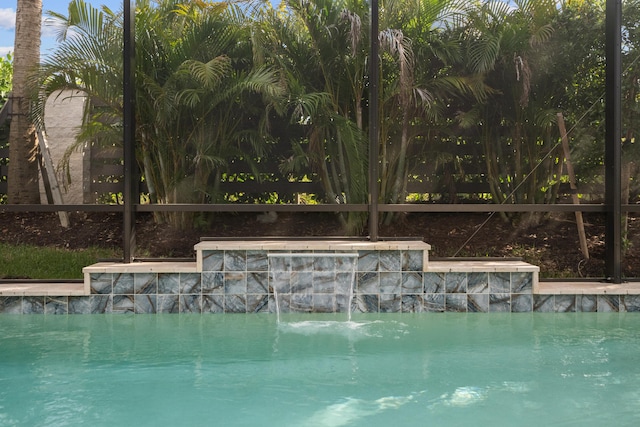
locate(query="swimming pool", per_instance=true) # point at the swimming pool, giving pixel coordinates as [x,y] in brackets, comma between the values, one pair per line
[319,370]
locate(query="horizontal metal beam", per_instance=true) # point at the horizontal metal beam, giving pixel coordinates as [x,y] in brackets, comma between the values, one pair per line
[491,208]
[381,208]
[229,207]
[64,208]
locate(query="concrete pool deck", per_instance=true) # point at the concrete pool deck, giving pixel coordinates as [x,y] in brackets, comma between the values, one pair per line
[315,276]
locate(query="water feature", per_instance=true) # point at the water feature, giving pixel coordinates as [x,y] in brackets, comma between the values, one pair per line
[306,281]
[384,369]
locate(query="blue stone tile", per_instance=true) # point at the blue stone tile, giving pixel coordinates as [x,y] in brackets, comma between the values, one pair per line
[434,302]
[281,302]
[145,303]
[302,263]
[235,304]
[478,283]
[168,304]
[235,283]
[390,282]
[499,283]
[543,303]
[323,264]
[92,304]
[631,303]
[212,260]
[455,283]
[456,303]
[390,261]
[434,283]
[280,263]
[521,283]
[345,263]
[478,303]
[367,303]
[324,282]
[99,304]
[257,261]
[280,282]
[499,303]
[56,305]
[412,283]
[123,304]
[302,282]
[565,303]
[609,304]
[586,303]
[190,283]
[169,283]
[412,260]
[235,261]
[324,303]
[145,283]
[190,304]
[123,284]
[212,283]
[101,283]
[33,305]
[79,305]
[368,261]
[301,303]
[257,303]
[368,283]
[258,282]
[213,303]
[412,304]
[342,303]
[390,303]
[344,282]
[521,303]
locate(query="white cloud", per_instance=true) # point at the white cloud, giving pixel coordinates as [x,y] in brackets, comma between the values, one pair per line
[4,50]
[7,19]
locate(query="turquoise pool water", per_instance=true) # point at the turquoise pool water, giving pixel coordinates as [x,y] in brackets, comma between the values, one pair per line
[429,369]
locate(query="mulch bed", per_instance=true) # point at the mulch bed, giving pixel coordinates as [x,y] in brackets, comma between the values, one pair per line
[552,244]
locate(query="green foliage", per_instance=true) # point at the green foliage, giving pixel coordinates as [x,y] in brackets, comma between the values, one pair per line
[199,99]
[6,77]
[219,85]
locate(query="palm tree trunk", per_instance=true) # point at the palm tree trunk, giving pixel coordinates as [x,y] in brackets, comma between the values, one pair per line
[23,147]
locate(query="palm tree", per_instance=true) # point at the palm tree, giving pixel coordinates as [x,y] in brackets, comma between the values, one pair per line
[320,48]
[195,84]
[23,147]
[517,122]
[418,85]
[203,94]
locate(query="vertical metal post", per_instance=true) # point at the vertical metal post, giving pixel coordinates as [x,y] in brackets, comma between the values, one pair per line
[374,79]
[613,148]
[130,191]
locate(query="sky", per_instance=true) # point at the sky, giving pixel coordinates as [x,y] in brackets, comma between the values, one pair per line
[8,21]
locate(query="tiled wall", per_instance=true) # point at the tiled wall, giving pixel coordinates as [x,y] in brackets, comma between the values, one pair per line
[239,281]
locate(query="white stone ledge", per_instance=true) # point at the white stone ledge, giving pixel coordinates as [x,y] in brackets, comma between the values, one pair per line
[587,288]
[481,267]
[43,289]
[312,245]
[141,267]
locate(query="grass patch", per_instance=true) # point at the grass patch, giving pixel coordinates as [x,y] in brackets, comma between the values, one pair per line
[33,262]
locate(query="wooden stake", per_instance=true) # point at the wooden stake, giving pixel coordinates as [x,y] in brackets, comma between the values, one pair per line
[52,178]
[572,183]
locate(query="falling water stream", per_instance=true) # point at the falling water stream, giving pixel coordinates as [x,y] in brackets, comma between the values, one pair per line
[288,268]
